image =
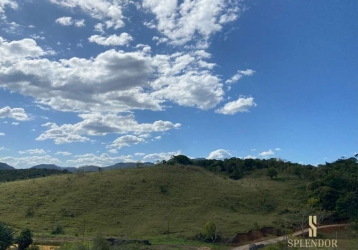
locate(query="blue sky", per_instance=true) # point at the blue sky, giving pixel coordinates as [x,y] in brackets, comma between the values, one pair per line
[100,82]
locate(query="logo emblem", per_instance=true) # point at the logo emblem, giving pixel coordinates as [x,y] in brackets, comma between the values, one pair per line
[313,228]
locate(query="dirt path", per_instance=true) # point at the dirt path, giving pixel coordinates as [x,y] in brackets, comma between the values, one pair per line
[281,238]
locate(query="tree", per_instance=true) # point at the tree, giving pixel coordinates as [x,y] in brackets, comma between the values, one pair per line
[271,172]
[6,236]
[24,240]
[181,159]
[211,232]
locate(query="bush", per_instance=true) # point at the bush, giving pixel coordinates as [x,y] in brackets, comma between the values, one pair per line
[6,236]
[58,229]
[24,240]
[271,172]
[210,232]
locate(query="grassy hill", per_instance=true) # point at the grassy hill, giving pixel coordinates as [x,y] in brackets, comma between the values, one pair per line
[138,202]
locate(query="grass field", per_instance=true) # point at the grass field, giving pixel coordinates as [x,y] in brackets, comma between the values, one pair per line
[141,202]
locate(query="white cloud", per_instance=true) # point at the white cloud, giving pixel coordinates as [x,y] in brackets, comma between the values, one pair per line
[112,40]
[277,149]
[15,123]
[98,9]
[98,124]
[197,18]
[219,154]
[113,151]
[18,114]
[34,36]
[2,134]
[267,153]
[158,137]
[61,134]
[101,160]
[99,28]
[139,154]
[33,152]
[67,21]
[125,141]
[240,105]
[31,26]
[72,84]
[7,4]
[161,156]
[249,157]
[64,153]
[18,51]
[2,148]
[30,161]
[239,75]
[80,23]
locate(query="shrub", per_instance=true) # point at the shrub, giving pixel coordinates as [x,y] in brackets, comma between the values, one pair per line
[210,232]
[24,240]
[271,172]
[6,236]
[58,229]
[30,212]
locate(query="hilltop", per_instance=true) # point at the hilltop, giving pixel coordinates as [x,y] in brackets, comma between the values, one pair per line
[139,202]
[4,166]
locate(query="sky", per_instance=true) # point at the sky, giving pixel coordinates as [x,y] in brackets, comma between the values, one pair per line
[105,81]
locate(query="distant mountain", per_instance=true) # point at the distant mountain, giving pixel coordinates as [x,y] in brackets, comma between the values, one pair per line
[128,165]
[4,166]
[89,168]
[48,166]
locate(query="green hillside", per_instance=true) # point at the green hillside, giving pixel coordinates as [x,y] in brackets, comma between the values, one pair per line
[138,202]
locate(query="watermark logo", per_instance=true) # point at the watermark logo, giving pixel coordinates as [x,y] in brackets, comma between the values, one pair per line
[312,221]
[312,233]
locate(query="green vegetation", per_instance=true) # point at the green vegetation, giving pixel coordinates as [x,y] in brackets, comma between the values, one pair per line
[23,174]
[6,236]
[207,200]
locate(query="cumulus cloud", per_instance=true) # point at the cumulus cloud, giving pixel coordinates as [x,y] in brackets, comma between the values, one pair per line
[112,40]
[161,156]
[98,160]
[139,154]
[30,161]
[2,134]
[126,141]
[239,75]
[113,151]
[67,21]
[33,152]
[64,153]
[128,80]
[199,18]
[277,149]
[17,51]
[18,114]
[249,157]
[12,4]
[98,124]
[98,9]
[240,105]
[219,154]
[267,153]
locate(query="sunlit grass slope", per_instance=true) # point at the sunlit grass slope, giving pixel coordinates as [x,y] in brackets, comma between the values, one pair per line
[139,202]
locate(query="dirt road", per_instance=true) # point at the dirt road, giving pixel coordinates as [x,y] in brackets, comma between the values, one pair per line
[281,238]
